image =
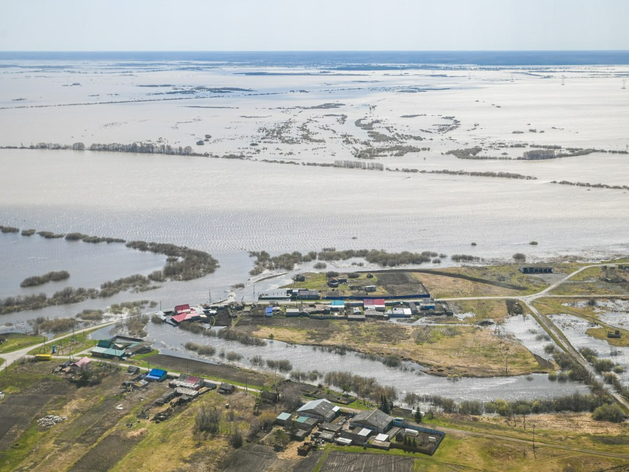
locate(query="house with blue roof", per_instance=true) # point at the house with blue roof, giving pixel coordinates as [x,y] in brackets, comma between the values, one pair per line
[156,375]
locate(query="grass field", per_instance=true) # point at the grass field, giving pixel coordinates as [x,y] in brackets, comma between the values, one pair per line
[441,286]
[495,310]
[13,341]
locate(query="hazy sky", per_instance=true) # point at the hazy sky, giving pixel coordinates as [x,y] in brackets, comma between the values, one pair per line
[226,25]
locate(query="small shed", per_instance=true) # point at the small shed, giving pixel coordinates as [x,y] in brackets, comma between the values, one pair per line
[299,434]
[226,389]
[168,396]
[292,312]
[306,423]
[282,418]
[81,364]
[268,311]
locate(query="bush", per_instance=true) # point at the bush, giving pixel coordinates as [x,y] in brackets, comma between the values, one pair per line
[257,361]
[233,356]
[609,412]
[320,265]
[235,440]
[208,420]
[49,277]
[201,349]
[91,315]
[519,257]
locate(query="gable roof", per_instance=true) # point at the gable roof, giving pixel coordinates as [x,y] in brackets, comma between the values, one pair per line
[158,373]
[375,419]
[320,407]
[82,362]
[374,302]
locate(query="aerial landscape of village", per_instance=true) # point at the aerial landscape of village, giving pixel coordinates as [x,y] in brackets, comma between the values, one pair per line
[313,261]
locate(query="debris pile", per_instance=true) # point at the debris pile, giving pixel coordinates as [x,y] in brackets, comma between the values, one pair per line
[50,420]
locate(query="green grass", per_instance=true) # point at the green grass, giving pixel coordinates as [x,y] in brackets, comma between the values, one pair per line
[20,449]
[16,342]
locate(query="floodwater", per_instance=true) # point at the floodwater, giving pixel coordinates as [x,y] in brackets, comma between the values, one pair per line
[303,115]
[170,340]
[575,330]
[89,265]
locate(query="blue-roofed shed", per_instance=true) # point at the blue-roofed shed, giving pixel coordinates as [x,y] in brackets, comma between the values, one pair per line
[269,311]
[157,375]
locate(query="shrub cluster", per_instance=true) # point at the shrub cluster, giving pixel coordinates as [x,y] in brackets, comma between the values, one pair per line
[54,276]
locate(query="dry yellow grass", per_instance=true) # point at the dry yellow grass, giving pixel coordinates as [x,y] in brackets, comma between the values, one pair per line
[456,350]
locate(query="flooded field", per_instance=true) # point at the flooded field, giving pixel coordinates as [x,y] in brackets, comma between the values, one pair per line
[170,340]
[575,330]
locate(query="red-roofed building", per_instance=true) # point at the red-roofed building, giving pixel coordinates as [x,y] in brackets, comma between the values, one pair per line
[182,308]
[375,304]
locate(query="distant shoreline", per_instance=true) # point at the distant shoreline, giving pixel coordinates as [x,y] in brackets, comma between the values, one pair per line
[341,60]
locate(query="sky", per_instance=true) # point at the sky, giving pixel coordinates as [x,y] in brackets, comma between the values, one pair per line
[307,25]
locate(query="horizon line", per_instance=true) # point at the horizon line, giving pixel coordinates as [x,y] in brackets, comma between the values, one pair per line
[309,50]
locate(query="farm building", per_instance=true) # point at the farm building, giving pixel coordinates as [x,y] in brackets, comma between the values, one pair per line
[358,436]
[373,314]
[282,418]
[168,396]
[226,389]
[428,305]
[268,312]
[322,410]
[107,349]
[293,312]
[536,270]
[399,312]
[308,295]
[156,375]
[374,420]
[306,423]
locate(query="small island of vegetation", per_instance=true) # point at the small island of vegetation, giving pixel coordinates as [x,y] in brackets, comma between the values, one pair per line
[54,276]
